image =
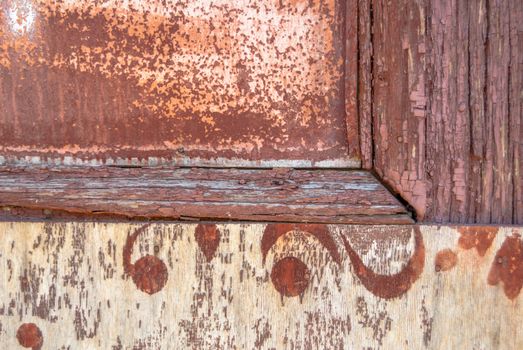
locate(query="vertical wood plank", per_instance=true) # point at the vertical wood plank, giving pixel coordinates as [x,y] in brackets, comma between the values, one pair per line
[516,105]
[351,76]
[497,169]
[448,125]
[399,98]
[365,81]
[477,20]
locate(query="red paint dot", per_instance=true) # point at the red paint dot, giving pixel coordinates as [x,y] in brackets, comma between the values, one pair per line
[290,276]
[150,274]
[29,336]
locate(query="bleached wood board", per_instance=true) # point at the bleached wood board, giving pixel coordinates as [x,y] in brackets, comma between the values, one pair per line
[414,287]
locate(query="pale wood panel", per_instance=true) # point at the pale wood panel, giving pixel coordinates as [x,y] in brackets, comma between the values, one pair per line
[430,287]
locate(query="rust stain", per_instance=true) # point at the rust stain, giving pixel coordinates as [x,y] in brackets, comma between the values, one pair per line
[390,286]
[274,231]
[478,237]
[149,273]
[507,266]
[445,260]
[290,276]
[208,238]
[240,79]
[30,336]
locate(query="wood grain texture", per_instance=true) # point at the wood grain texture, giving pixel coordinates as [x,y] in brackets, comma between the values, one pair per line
[449,141]
[154,286]
[326,196]
[399,98]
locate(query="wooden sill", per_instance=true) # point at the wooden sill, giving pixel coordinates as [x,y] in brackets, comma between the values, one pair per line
[280,195]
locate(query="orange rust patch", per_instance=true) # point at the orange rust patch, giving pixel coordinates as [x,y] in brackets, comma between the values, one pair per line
[479,237]
[445,260]
[290,276]
[30,336]
[507,266]
[208,238]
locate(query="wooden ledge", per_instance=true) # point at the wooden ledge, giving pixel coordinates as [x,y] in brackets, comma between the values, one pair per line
[322,196]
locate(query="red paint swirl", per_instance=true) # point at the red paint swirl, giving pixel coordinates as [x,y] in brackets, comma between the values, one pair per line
[149,273]
[390,286]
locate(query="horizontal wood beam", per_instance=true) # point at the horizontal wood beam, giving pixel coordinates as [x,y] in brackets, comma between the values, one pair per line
[323,196]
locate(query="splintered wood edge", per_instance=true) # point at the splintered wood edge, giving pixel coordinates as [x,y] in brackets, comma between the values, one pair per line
[194,194]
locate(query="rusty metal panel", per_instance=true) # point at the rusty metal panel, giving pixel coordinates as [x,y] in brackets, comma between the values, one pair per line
[259,286]
[190,82]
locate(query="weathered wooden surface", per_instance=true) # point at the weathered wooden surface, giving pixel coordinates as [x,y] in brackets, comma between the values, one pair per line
[447,107]
[327,196]
[257,286]
[189,82]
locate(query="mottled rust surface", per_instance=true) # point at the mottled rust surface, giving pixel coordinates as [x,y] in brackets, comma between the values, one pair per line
[191,80]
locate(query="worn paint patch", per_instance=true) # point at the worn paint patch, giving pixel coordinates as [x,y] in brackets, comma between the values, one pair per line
[69,280]
[478,237]
[149,273]
[445,260]
[274,231]
[507,266]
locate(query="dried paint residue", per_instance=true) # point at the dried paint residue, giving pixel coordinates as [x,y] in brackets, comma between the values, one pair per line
[479,237]
[445,260]
[507,266]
